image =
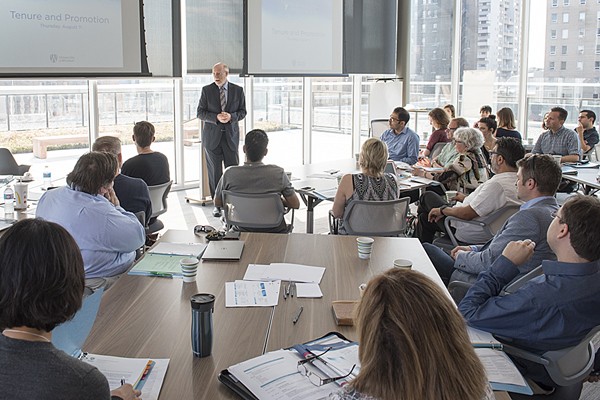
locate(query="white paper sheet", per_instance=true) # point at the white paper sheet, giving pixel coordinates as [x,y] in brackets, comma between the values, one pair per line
[284,272]
[499,368]
[251,293]
[308,290]
[181,249]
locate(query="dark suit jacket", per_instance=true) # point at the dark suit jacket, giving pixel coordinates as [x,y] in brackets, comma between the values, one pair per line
[208,108]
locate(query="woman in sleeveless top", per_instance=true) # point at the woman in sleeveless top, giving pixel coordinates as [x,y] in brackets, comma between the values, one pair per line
[370,184]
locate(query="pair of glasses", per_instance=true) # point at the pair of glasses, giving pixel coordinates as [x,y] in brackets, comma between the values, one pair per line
[460,142]
[313,377]
[394,119]
[451,129]
[203,229]
[554,214]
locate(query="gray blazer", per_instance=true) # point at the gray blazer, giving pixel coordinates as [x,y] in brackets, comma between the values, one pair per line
[531,223]
[208,108]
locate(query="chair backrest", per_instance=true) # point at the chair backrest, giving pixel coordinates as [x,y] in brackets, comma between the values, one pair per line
[437,149]
[378,126]
[495,220]
[8,164]
[158,198]
[376,218]
[248,211]
[592,154]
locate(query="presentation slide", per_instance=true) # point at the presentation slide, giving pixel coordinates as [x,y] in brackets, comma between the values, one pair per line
[295,37]
[69,36]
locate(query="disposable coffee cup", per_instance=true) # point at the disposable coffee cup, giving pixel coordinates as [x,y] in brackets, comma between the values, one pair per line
[189,269]
[361,289]
[365,247]
[557,158]
[450,194]
[20,196]
[402,263]
[530,140]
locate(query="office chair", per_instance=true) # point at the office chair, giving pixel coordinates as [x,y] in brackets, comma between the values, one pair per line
[158,198]
[566,367]
[437,149]
[253,211]
[8,164]
[373,218]
[378,126]
[490,224]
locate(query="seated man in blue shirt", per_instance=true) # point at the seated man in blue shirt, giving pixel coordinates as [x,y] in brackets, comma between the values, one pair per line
[538,178]
[107,235]
[552,311]
[402,142]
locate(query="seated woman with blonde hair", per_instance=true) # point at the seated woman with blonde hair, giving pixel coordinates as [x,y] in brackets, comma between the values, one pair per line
[413,344]
[370,184]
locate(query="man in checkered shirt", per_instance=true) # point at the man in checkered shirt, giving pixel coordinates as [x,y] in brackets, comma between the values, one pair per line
[558,139]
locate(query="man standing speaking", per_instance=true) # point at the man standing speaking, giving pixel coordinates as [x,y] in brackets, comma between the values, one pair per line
[222,105]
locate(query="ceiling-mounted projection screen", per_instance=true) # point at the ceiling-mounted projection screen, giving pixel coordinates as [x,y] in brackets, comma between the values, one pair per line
[294,37]
[71,38]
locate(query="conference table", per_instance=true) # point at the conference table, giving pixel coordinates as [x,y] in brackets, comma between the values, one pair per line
[588,177]
[150,317]
[317,182]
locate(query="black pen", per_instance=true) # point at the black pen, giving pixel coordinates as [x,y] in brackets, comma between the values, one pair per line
[122,381]
[297,316]
[293,289]
[285,291]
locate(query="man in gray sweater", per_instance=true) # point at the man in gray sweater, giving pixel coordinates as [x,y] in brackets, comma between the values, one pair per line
[538,178]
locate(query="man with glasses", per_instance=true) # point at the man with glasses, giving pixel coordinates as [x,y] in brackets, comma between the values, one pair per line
[537,180]
[402,142]
[554,310]
[490,196]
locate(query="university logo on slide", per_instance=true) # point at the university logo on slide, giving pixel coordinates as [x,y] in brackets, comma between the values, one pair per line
[54,57]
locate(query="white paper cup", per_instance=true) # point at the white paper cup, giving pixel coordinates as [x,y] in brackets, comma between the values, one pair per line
[20,196]
[402,263]
[365,247]
[361,289]
[530,140]
[557,158]
[450,194]
[189,269]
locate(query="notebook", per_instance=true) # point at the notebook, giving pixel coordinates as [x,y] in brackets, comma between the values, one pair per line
[223,250]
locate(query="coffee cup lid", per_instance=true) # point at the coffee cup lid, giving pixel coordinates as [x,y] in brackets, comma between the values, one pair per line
[202,301]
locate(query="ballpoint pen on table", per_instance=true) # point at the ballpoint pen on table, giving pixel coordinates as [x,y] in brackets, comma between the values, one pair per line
[293,289]
[285,291]
[122,381]
[161,274]
[297,316]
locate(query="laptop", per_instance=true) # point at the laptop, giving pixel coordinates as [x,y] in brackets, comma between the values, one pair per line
[6,223]
[223,250]
[390,167]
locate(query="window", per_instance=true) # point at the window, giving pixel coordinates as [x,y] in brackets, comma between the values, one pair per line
[580,49]
[597,65]
[551,66]
[598,49]
[566,2]
[552,50]
[553,33]
[565,18]
[554,3]
[554,18]
[580,65]
[563,65]
[581,1]
[581,32]
[563,50]
[565,33]
[582,16]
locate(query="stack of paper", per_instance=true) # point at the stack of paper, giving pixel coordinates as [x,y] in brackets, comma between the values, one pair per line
[251,293]
[501,371]
[284,271]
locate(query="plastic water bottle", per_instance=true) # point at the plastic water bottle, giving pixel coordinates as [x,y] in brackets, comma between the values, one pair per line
[9,201]
[47,177]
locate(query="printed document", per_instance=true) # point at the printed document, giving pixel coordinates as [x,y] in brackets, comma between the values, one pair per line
[251,293]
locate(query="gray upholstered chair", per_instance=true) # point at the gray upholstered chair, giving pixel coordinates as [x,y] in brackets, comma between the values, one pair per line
[158,198]
[250,211]
[374,218]
[8,164]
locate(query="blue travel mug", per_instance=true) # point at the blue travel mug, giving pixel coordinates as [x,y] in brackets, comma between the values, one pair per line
[202,323]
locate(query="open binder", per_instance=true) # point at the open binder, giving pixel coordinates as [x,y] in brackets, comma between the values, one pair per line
[274,375]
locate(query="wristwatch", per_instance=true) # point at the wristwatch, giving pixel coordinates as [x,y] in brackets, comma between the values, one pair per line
[442,208]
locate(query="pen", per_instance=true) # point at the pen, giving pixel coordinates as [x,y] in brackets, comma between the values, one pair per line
[122,381]
[293,289]
[161,274]
[285,291]
[297,316]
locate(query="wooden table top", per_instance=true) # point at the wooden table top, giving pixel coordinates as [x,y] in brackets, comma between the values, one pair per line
[151,317]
